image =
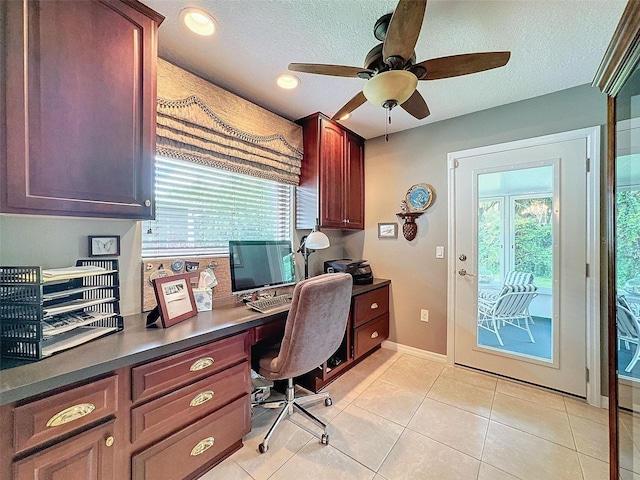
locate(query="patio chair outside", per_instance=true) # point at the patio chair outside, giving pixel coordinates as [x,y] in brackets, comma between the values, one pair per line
[628,327]
[511,307]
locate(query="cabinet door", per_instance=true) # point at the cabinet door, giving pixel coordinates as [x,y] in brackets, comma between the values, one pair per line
[332,142]
[88,456]
[354,182]
[80,108]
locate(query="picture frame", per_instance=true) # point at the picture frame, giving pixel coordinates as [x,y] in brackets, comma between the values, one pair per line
[175,298]
[104,245]
[388,230]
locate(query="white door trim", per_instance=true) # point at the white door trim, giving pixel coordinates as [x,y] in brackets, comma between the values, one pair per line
[592,136]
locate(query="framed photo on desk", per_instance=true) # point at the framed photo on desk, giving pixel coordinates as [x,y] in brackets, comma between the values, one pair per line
[175,298]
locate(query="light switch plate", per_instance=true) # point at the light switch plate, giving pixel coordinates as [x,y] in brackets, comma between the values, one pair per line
[439,251]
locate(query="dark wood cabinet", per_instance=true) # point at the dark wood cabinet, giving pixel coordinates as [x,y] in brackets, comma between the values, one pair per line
[88,456]
[332,178]
[80,98]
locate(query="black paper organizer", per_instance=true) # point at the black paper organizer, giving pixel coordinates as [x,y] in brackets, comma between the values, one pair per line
[41,316]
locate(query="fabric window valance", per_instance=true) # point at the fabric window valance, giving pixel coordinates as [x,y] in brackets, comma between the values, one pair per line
[202,123]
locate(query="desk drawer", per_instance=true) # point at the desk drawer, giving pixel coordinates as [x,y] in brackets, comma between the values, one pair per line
[180,455]
[168,373]
[177,409]
[371,335]
[370,305]
[46,419]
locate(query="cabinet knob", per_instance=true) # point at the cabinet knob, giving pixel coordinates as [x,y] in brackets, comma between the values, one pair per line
[201,364]
[374,305]
[202,446]
[109,441]
[348,221]
[70,414]
[147,203]
[374,334]
[201,398]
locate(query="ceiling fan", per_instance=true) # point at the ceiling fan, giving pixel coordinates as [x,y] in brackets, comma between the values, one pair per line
[390,69]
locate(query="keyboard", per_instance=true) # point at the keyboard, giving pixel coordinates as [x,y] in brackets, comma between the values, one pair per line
[265,305]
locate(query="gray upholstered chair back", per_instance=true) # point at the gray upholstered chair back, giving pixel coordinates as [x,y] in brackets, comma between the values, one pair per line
[315,326]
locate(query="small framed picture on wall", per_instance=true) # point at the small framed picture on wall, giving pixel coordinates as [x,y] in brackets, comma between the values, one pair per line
[388,230]
[104,245]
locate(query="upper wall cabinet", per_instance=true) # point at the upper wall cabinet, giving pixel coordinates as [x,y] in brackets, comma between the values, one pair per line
[80,98]
[332,178]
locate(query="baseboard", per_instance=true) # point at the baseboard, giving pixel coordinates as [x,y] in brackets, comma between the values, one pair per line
[417,352]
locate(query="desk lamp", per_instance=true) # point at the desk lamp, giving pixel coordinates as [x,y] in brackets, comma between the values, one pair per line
[316,240]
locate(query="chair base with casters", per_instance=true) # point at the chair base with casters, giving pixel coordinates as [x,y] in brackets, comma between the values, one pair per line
[290,404]
[511,307]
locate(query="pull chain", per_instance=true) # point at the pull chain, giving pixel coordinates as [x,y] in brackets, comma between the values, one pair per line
[386,125]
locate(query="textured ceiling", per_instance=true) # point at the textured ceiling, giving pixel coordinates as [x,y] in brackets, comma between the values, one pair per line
[554,45]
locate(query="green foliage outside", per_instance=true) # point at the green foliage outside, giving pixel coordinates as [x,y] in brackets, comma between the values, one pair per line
[533,239]
[489,239]
[627,236]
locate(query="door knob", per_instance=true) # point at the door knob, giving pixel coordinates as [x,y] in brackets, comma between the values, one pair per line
[462,257]
[463,273]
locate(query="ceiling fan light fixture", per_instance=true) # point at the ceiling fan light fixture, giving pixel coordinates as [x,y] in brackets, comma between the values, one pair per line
[287,81]
[346,116]
[390,88]
[198,21]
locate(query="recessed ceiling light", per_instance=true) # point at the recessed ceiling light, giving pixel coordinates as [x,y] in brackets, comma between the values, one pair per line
[287,81]
[198,21]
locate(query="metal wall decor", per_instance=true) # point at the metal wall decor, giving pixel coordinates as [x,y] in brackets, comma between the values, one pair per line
[418,198]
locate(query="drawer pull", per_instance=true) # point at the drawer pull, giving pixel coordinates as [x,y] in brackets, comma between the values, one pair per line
[201,364]
[374,305]
[374,334]
[70,414]
[202,446]
[109,441]
[201,398]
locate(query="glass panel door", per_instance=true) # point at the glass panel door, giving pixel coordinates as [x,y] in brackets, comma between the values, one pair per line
[515,284]
[627,278]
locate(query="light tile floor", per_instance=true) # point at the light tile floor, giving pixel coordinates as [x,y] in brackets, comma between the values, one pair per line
[397,416]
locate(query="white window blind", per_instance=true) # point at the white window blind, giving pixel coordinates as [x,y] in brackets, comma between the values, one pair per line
[200,208]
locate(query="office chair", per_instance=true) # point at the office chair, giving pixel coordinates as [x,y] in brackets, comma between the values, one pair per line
[314,330]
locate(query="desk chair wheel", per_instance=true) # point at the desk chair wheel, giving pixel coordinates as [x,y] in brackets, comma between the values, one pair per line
[263,447]
[328,402]
[324,440]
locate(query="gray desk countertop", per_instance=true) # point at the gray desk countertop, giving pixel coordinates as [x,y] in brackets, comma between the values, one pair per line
[135,344]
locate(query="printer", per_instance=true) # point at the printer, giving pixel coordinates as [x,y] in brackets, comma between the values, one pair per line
[359,269]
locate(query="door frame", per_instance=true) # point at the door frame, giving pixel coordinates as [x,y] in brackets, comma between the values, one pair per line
[592,136]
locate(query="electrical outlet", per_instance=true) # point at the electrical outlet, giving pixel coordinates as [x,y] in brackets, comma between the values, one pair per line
[424,315]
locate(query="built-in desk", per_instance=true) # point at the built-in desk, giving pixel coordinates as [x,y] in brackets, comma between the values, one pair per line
[115,399]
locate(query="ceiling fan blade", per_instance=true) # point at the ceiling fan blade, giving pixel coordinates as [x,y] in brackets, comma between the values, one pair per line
[404,29]
[333,70]
[416,106]
[456,65]
[350,106]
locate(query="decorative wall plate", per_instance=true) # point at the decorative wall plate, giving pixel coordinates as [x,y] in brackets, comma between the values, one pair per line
[419,197]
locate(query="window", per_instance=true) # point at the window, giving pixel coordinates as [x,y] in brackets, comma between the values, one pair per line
[200,208]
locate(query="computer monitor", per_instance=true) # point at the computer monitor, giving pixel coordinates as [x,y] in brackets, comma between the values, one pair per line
[257,264]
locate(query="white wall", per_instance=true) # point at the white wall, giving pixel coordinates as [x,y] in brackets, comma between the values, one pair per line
[419,280]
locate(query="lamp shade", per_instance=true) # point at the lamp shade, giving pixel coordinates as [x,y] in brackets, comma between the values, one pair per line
[317,241]
[394,85]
